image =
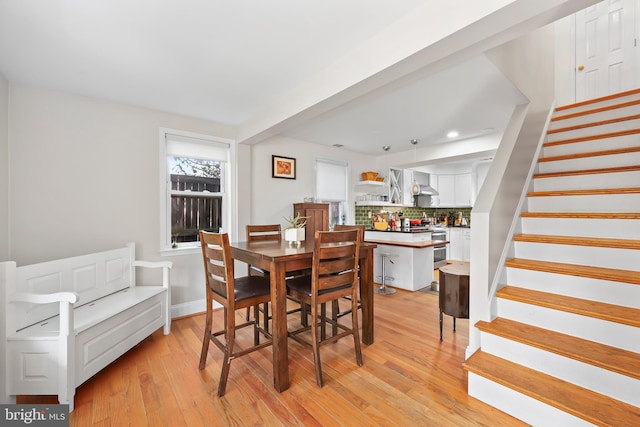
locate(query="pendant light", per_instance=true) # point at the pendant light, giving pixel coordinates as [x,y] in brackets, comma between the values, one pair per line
[415,187]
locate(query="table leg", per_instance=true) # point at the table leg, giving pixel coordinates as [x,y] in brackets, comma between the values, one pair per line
[279,327]
[440,325]
[366,296]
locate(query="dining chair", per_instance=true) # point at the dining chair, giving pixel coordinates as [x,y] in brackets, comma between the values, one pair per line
[269,233]
[262,233]
[334,275]
[233,293]
[335,305]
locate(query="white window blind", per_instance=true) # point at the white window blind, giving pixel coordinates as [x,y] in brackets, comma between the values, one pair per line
[332,180]
[195,148]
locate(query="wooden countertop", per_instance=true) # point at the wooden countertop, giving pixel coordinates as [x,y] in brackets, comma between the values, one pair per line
[415,245]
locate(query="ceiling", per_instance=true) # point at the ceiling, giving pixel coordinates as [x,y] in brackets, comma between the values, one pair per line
[472,98]
[227,61]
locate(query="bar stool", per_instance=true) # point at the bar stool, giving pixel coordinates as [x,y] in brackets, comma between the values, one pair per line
[383,289]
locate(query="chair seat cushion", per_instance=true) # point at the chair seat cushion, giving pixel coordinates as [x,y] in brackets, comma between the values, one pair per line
[251,286]
[302,285]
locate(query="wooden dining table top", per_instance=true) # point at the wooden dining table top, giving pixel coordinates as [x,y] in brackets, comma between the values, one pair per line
[282,249]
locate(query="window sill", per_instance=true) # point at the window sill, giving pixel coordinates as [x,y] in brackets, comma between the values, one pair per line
[185,250]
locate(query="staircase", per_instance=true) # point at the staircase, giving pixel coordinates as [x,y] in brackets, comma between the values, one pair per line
[564,349]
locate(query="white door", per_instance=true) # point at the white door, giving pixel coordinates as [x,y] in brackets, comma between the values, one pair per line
[606,49]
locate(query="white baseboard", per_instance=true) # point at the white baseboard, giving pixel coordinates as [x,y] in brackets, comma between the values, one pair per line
[188,308]
[191,307]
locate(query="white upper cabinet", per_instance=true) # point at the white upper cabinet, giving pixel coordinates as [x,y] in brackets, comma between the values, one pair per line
[454,190]
[480,170]
[446,190]
[462,190]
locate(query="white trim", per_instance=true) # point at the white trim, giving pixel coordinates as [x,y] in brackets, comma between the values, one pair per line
[188,308]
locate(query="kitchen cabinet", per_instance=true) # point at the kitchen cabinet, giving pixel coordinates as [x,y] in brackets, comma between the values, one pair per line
[454,190]
[446,194]
[456,244]
[400,187]
[410,267]
[466,244]
[317,218]
[459,244]
[462,189]
[481,169]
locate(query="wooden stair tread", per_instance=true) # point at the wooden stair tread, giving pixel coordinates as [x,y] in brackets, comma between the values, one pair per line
[633,168]
[604,356]
[594,124]
[593,137]
[583,215]
[585,192]
[595,110]
[612,274]
[625,150]
[589,308]
[579,241]
[578,401]
[599,99]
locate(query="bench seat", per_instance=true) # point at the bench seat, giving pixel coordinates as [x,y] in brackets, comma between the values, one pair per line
[67,319]
[88,315]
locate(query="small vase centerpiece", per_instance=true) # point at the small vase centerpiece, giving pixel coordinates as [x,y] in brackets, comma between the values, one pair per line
[295,232]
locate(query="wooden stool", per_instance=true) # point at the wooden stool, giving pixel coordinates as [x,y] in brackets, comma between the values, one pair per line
[454,292]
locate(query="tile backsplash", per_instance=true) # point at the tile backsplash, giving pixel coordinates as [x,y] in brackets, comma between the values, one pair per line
[363,217]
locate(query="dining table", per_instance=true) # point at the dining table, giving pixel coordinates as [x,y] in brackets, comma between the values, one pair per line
[280,258]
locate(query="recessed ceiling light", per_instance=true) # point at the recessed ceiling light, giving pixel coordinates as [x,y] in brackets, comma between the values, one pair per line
[385,147]
[452,134]
[338,145]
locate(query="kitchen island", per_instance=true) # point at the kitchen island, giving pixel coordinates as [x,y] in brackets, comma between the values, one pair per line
[411,257]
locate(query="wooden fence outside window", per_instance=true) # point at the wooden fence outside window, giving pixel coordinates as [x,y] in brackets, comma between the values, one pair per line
[196,210]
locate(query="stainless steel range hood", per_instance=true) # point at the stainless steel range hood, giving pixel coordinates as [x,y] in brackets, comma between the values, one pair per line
[424,182]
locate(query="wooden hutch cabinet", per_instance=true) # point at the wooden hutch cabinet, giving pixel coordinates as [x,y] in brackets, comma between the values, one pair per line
[318,218]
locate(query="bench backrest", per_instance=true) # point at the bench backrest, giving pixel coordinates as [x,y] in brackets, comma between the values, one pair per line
[91,277]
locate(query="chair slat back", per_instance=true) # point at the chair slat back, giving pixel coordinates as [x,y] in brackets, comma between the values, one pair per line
[335,262]
[345,227]
[218,263]
[262,233]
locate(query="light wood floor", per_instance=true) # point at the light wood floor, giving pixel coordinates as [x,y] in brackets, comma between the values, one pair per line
[409,378]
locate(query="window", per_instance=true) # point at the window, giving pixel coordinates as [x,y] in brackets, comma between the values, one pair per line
[195,187]
[332,184]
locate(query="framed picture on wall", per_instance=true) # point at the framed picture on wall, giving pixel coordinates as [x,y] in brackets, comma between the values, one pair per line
[283,167]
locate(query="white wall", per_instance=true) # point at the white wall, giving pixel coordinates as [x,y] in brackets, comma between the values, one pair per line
[84,177]
[273,198]
[4,226]
[529,63]
[4,169]
[565,58]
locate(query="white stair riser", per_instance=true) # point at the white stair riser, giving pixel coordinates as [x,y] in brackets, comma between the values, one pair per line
[587,227]
[623,259]
[610,333]
[518,405]
[581,163]
[605,291]
[592,145]
[594,378]
[588,203]
[588,181]
[621,126]
[603,115]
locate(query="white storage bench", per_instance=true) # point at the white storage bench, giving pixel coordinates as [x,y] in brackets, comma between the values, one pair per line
[69,318]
